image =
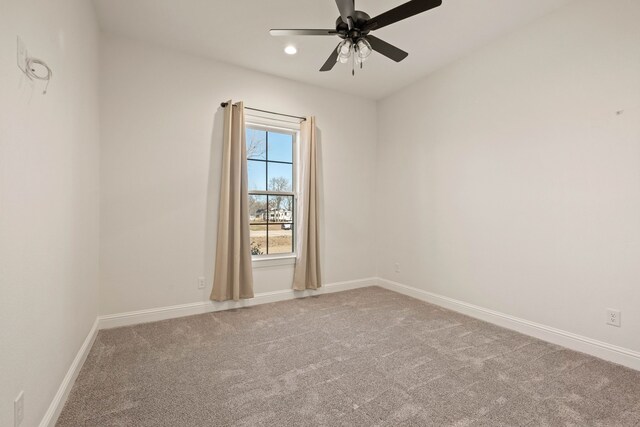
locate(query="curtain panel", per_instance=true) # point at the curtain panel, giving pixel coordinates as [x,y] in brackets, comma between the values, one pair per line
[307,270]
[233,276]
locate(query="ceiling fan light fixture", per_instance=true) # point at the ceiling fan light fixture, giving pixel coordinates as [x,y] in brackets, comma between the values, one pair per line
[344,51]
[363,48]
[344,48]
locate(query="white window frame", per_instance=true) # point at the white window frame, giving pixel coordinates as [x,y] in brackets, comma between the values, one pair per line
[293,128]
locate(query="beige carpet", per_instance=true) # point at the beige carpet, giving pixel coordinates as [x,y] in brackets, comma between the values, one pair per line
[358,358]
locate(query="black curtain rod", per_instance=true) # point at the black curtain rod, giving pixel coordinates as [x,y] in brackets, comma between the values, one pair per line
[224,104]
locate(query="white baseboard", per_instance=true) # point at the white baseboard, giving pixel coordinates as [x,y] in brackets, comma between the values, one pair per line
[602,350]
[53,412]
[174,311]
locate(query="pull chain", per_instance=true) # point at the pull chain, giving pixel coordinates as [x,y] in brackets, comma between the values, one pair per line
[353,64]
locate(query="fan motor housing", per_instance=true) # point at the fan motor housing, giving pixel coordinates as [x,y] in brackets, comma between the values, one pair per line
[359,19]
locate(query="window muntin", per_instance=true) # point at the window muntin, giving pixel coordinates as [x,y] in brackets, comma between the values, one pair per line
[271,173]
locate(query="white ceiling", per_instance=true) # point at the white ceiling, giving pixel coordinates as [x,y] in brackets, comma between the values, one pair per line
[236,31]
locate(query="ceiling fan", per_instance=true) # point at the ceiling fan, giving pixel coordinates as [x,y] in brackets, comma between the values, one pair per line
[353,27]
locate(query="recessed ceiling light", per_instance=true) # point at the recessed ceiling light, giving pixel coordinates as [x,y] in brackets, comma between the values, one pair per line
[290,50]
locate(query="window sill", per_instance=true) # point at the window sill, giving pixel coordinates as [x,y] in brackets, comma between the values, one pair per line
[273,261]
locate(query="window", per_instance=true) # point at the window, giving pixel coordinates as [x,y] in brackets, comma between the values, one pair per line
[271,172]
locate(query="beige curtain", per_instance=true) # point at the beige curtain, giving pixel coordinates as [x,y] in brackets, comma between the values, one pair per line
[233,277]
[307,271]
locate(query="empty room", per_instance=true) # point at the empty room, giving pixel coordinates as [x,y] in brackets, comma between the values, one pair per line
[319,213]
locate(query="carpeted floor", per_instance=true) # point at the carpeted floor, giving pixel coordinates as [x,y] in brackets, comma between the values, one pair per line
[364,357]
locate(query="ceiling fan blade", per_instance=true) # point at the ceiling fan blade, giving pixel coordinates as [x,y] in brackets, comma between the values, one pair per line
[347,9]
[399,13]
[331,61]
[303,32]
[388,50]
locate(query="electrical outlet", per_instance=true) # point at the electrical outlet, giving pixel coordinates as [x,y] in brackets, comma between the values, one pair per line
[613,317]
[22,55]
[397,267]
[18,410]
[201,283]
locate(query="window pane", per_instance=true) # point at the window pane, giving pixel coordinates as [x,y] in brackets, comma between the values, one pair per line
[258,238]
[257,172]
[280,238]
[256,144]
[257,208]
[280,147]
[280,177]
[280,208]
